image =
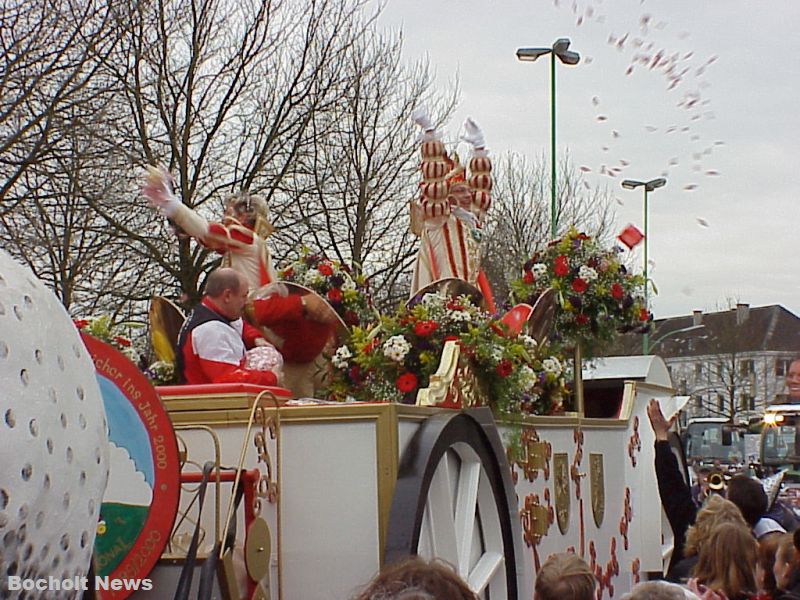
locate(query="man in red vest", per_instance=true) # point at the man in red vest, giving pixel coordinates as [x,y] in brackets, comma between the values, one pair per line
[213,340]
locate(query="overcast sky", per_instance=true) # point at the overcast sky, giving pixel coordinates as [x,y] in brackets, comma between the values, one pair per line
[726,136]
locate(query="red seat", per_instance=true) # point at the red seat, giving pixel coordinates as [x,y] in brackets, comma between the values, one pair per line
[205,389]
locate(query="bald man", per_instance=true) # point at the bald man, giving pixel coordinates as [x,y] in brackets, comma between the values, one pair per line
[213,341]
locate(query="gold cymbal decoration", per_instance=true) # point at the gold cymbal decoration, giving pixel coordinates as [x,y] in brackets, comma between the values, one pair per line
[165,320]
[257,549]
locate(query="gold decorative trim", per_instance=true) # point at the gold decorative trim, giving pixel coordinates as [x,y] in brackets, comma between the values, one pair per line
[597,486]
[561,478]
[440,383]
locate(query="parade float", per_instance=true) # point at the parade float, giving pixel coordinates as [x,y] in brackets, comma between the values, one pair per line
[471,444]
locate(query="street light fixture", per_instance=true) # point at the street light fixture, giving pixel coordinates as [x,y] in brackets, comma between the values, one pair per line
[649,186]
[568,57]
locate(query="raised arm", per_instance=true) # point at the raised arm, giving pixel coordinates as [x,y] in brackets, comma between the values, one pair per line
[480,168]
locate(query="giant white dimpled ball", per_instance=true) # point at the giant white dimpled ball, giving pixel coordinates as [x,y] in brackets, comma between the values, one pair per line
[53,443]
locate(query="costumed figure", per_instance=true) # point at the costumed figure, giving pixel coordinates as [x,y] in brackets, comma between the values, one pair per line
[213,341]
[450,209]
[298,325]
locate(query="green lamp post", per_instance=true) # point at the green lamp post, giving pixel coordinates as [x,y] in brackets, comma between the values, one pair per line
[560,50]
[649,186]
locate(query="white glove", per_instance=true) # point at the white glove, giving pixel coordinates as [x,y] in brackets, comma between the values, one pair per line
[420,116]
[157,188]
[473,134]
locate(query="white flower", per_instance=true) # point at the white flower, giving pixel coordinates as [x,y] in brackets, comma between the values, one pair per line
[459,315]
[587,273]
[396,348]
[433,299]
[529,343]
[552,365]
[340,357]
[131,354]
[539,269]
[311,277]
[348,283]
[527,377]
[496,353]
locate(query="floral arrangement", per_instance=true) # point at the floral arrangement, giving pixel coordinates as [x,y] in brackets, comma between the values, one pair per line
[394,360]
[105,330]
[598,298]
[346,291]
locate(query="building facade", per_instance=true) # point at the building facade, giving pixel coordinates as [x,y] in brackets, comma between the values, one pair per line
[732,363]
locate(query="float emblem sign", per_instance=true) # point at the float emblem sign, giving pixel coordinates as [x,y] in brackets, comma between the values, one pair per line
[141,500]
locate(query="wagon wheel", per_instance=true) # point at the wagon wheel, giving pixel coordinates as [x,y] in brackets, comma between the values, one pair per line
[454,500]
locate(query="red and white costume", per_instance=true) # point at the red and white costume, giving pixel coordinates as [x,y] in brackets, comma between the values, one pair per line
[243,249]
[450,234]
[213,349]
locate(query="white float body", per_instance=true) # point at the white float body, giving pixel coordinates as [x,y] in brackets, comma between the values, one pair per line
[336,465]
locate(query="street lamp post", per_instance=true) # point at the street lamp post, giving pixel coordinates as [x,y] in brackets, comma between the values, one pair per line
[560,50]
[649,186]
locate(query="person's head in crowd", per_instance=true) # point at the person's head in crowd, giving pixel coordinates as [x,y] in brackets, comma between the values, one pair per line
[417,579]
[765,578]
[564,576]
[702,472]
[793,379]
[726,561]
[749,495]
[657,590]
[716,510]
[228,292]
[786,564]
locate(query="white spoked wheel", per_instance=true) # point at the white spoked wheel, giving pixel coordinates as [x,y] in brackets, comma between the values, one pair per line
[454,500]
[461,522]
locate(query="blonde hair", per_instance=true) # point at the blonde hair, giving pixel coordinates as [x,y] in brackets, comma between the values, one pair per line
[253,208]
[716,510]
[727,558]
[565,576]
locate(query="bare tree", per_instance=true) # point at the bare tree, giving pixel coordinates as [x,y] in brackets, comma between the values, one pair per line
[519,220]
[50,55]
[355,182]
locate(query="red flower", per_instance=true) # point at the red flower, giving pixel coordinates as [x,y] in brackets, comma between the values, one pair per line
[334,295]
[425,328]
[354,374]
[560,266]
[579,285]
[528,277]
[451,338]
[406,382]
[80,323]
[124,342]
[581,319]
[370,346]
[453,305]
[325,269]
[350,318]
[644,315]
[616,291]
[287,273]
[504,368]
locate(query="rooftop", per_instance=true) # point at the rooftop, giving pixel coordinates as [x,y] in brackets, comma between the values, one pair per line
[739,329]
